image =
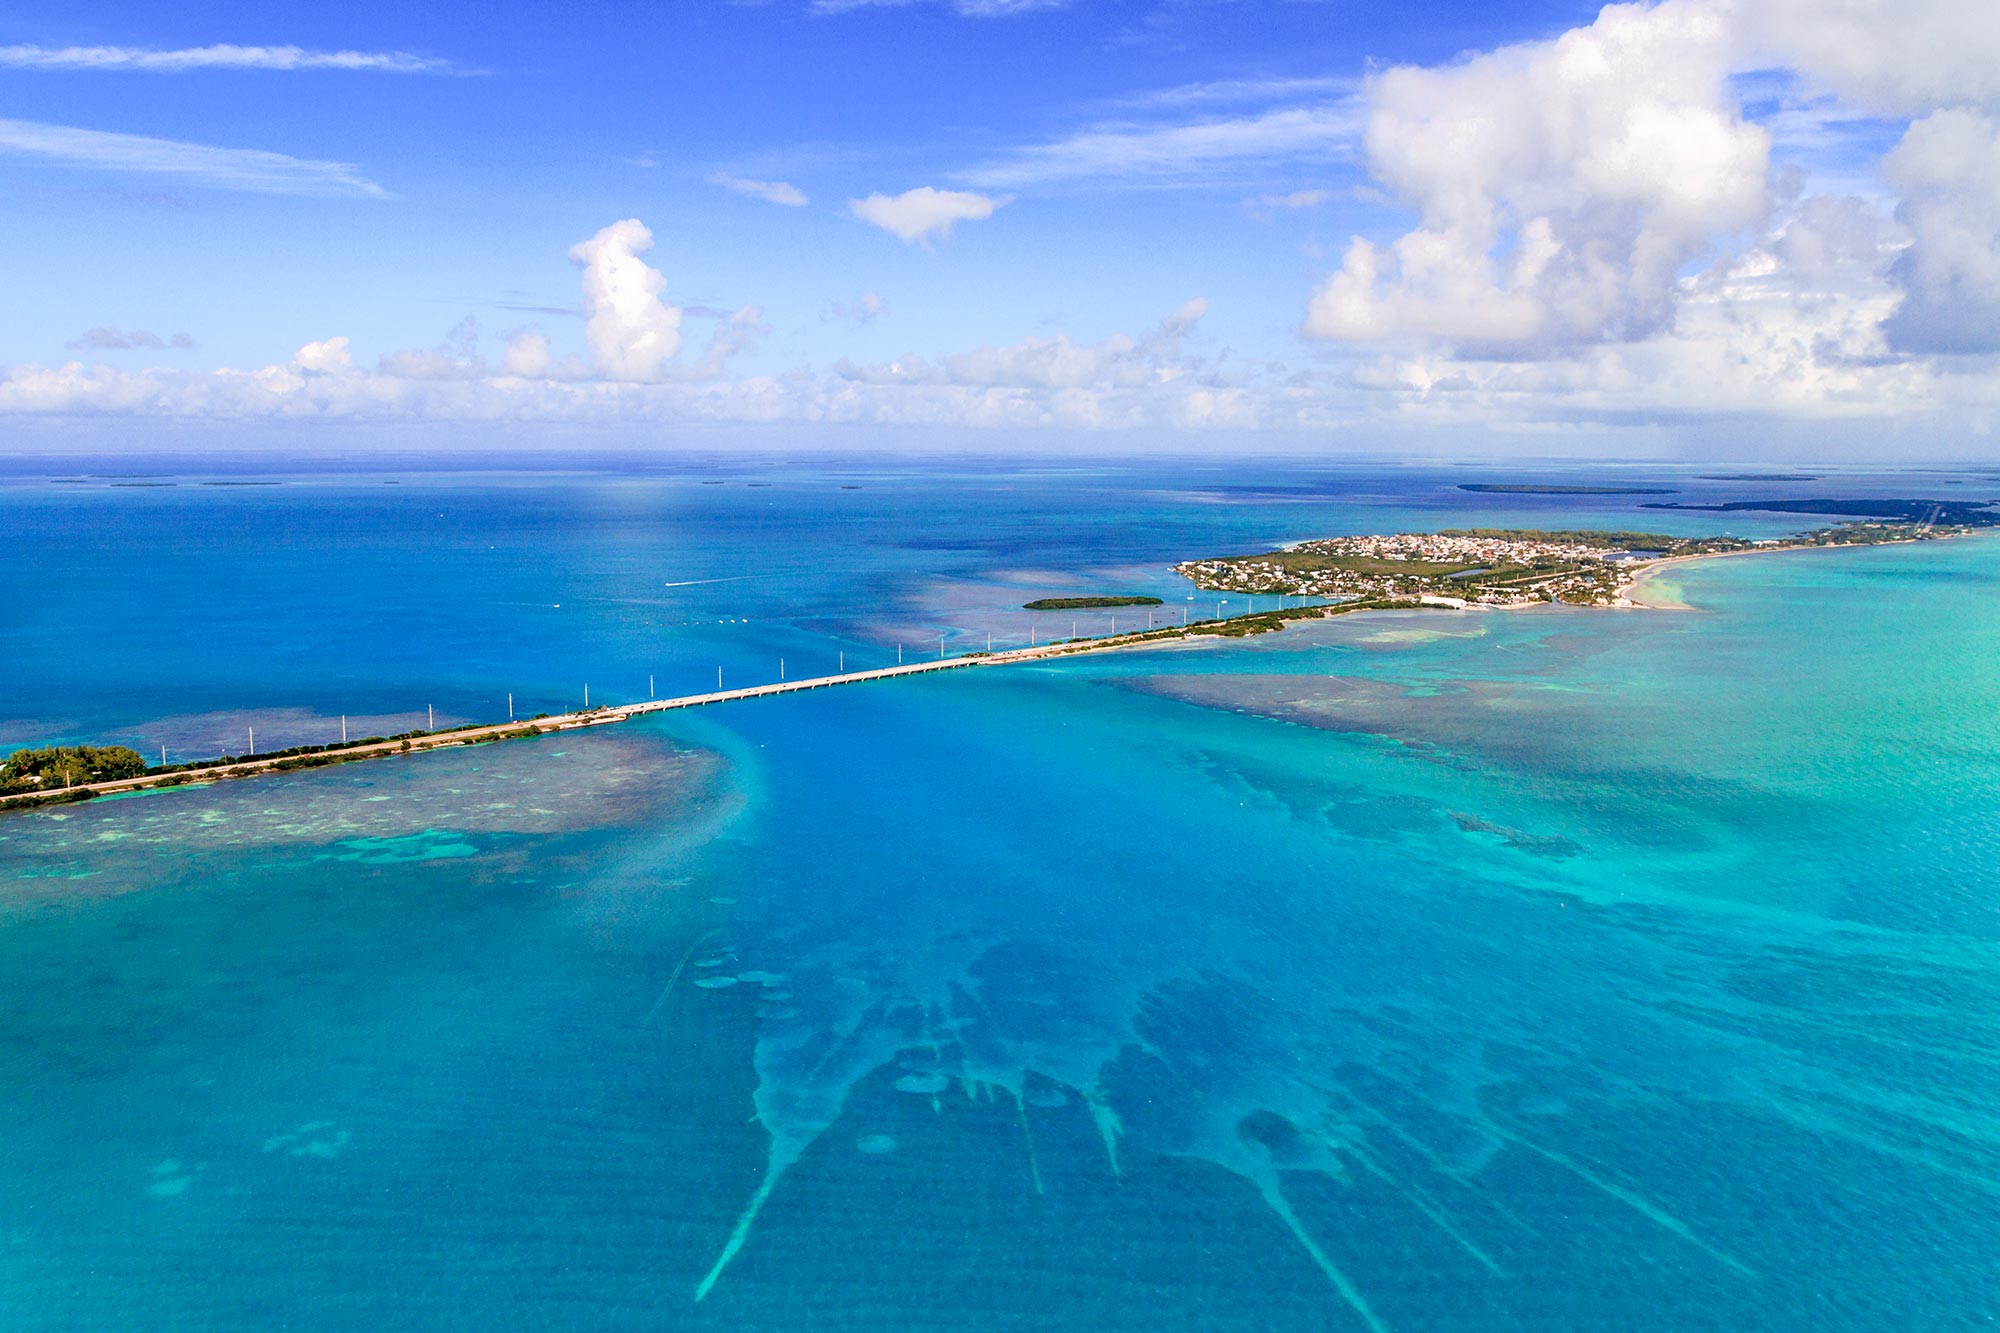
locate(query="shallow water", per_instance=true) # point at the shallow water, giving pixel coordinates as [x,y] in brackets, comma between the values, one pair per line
[1449,971]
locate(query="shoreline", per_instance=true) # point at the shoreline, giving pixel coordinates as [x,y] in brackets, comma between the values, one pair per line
[1631,589]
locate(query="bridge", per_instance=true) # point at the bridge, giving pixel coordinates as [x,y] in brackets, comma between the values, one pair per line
[594,717]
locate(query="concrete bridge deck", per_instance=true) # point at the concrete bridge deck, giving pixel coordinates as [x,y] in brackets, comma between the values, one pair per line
[595,717]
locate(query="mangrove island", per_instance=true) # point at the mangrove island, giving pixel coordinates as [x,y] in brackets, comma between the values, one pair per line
[1085,603]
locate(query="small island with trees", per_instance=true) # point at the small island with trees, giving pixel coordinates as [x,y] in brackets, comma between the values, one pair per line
[59,767]
[62,774]
[1085,603]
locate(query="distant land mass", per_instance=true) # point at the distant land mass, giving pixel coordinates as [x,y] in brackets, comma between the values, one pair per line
[1963,513]
[1757,476]
[1085,603]
[1513,489]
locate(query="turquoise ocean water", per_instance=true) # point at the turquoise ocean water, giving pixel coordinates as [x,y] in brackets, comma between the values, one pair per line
[1543,969]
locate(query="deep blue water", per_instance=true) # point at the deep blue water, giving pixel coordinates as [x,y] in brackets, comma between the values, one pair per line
[1547,969]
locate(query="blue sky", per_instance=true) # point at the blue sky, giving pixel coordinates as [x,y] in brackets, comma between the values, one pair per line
[1354,219]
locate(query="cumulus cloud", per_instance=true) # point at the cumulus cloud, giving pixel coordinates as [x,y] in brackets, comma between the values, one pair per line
[1599,237]
[330,356]
[1947,168]
[125,340]
[1832,239]
[632,335]
[527,355]
[246,169]
[287,393]
[223,56]
[631,332]
[1125,381]
[1561,186]
[1746,345]
[923,213]
[1896,57]
[771,192]
[1938,62]
[456,357]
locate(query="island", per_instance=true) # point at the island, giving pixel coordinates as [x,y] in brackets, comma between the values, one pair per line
[1501,566]
[1495,488]
[1085,603]
[62,767]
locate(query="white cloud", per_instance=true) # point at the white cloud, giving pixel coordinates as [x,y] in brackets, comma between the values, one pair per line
[1561,186]
[1179,153]
[1747,346]
[330,356]
[920,214]
[630,330]
[224,56]
[285,393]
[771,192]
[1948,170]
[1832,241]
[1124,382]
[125,340]
[1599,240]
[246,169]
[1901,57]
[733,335]
[527,355]
[456,357]
[631,333]
[1789,330]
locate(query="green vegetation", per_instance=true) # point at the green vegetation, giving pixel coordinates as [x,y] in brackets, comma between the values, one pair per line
[59,766]
[1085,603]
[54,775]
[1241,627]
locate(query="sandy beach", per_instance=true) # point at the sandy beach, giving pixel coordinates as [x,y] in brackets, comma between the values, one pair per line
[1634,591]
